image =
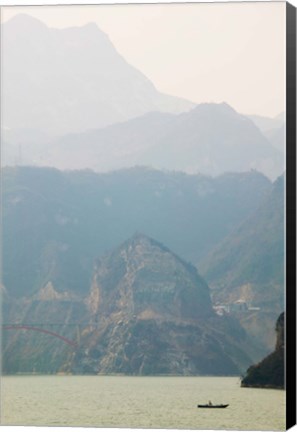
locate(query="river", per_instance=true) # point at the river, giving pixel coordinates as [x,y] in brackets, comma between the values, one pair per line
[139,402]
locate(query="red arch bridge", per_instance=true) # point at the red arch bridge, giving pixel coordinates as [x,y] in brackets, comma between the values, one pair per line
[40,330]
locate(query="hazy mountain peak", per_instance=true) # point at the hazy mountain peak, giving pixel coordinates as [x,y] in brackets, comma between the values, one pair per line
[91,26]
[214,106]
[89,31]
[211,111]
[22,19]
[73,79]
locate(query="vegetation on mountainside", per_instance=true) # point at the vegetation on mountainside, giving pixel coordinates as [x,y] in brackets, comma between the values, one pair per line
[57,223]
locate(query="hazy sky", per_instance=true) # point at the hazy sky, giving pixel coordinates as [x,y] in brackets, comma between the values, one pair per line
[207,52]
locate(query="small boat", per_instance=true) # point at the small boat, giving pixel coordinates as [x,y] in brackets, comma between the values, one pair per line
[213,406]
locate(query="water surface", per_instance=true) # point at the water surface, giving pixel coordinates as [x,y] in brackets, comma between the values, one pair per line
[139,402]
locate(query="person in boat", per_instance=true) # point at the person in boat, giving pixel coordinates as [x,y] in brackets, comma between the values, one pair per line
[210,403]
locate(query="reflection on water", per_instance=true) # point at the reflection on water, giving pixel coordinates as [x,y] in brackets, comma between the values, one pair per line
[139,402]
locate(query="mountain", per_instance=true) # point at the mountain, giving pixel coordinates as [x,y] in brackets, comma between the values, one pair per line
[58,81]
[215,139]
[154,316]
[56,223]
[29,351]
[270,372]
[248,265]
[58,275]
[273,128]
[253,253]
[211,139]
[145,278]
[277,137]
[266,124]
[146,312]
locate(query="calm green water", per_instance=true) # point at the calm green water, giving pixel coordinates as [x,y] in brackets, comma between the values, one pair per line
[139,402]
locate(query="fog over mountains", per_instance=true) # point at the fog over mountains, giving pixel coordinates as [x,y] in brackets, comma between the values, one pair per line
[71,257]
[210,139]
[70,80]
[113,193]
[273,129]
[67,219]
[72,102]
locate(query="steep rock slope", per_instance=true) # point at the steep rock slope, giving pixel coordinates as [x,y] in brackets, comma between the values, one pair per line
[151,315]
[143,274]
[270,372]
[146,312]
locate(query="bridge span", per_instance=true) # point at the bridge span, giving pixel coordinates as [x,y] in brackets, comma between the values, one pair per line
[40,330]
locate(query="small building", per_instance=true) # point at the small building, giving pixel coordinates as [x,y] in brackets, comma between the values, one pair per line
[239,306]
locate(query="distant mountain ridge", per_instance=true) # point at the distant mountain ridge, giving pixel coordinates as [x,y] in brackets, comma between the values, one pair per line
[67,219]
[211,139]
[104,177]
[68,80]
[64,87]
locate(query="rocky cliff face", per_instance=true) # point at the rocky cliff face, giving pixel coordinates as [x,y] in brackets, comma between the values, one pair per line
[144,278]
[270,372]
[147,312]
[146,346]
[151,314]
